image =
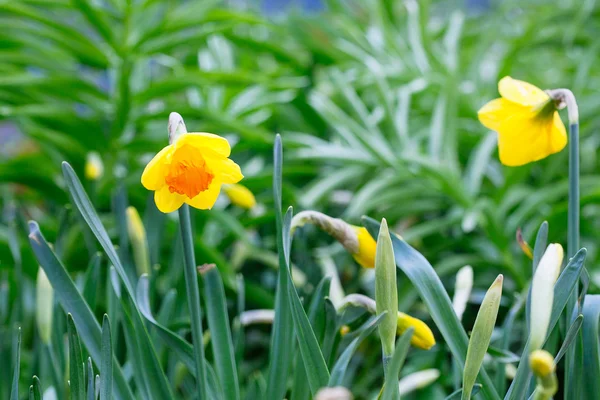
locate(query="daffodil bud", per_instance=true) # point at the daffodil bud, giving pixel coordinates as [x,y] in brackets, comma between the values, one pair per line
[418,380]
[344,330]
[44,306]
[176,127]
[481,335]
[462,290]
[94,168]
[542,294]
[386,291]
[356,240]
[543,367]
[139,243]
[422,336]
[240,195]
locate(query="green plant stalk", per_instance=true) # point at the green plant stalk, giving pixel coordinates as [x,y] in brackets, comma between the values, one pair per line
[572,247]
[193,297]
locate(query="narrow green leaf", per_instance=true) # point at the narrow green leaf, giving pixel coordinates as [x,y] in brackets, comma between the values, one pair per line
[562,290]
[341,365]
[434,295]
[72,302]
[280,356]
[591,355]
[106,365]
[14,392]
[91,389]
[456,395]
[92,276]
[218,324]
[314,362]
[390,387]
[179,346]
[76,368]
[569,338]
[481,335]
[35,391]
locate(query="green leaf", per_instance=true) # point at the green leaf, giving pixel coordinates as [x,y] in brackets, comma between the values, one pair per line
[390,387]
[591,355]
[106,365]
[218,324]
[280,356]
[35,391]
[76,368]
[569,338]
[314,362]
[92,276]
[341,365]
[562,290]
[91,390]
[14,392]
[72,302]
[179,346]
[481,335]
[456,395]
[432,292]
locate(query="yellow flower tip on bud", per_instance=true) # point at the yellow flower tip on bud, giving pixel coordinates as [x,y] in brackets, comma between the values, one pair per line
[524,245]
[240,195]
[541,363]
[542,293]
[366,247]
[527,121]
[344,330]
[422,337]
[94,168]
[44,306]
[139,244]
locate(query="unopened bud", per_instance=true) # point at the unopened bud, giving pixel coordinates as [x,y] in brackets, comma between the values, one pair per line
[44,306]
[94,168]
[240,195]
[386,292]
[139,244]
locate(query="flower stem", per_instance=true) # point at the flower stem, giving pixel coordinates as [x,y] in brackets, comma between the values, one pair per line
[193,295]
[572,245]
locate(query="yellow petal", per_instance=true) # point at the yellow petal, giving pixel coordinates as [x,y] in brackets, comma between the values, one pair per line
[523,139]
[494,113]
[422,337]
[240,195]
[153,177]
[366,248]
[206,199]
[166,201]
[226,170]
[521,92]
[216,143]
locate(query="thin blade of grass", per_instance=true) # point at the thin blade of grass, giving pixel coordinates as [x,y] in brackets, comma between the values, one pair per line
[91,390]
[106,365]
[591,355]
[14,392]
[390,388]
[35,392]
[569,337]
[76,371]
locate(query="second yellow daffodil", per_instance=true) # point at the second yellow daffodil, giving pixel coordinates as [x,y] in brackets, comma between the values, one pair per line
[527,121]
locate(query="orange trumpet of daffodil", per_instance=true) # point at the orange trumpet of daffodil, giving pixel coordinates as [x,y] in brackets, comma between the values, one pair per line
[191,169]
[527,121]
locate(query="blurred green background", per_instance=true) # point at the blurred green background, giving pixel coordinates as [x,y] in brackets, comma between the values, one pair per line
[376,102]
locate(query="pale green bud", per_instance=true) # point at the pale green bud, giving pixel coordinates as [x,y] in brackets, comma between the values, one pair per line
[386,292]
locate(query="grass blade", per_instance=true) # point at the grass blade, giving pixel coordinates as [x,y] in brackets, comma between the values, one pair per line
[432,292]
[91,390]
[106,360]
[35,391]
[390,388]
[591,355]
[281,336]
[14,392]
[72,302]
[218,324]
[569,337]
[76,371]
[341,365]
[456,395]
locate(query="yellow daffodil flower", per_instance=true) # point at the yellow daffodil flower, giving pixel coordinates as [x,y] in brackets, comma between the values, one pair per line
[191,170]
[527,121]
[240,195]
[541,363]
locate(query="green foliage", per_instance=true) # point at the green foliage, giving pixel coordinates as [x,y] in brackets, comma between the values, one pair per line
[376,102]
